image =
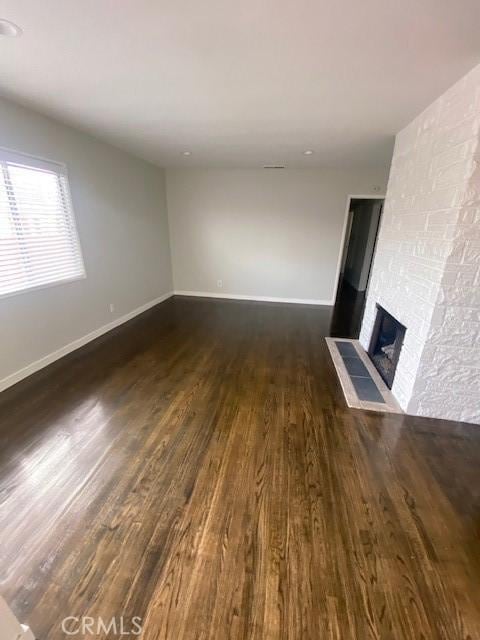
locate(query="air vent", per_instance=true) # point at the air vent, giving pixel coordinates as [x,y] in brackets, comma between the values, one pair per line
[274,166]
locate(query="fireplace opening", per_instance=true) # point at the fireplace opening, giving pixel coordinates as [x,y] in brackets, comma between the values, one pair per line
[385,344]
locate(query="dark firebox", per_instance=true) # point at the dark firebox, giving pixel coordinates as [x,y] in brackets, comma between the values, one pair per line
[386,343]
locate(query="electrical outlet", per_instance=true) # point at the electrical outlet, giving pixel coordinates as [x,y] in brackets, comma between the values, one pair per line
[112,307]
[219,284]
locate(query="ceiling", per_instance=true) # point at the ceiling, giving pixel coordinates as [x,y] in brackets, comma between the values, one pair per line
[239,84]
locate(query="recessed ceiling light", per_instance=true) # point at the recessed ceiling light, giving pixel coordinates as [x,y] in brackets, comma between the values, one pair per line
[9,29]
[187,153]
[308,152]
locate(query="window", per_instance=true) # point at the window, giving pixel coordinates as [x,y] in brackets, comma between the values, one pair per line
[38,239]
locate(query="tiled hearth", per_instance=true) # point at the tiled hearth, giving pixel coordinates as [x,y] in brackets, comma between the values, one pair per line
[361,383]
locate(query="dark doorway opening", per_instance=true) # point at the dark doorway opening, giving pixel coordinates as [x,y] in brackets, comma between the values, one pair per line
[359,246]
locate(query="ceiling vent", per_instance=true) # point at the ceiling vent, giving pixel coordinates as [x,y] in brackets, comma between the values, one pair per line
[274,166]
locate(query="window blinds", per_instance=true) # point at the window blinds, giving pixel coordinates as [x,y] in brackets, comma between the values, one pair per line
[39,243]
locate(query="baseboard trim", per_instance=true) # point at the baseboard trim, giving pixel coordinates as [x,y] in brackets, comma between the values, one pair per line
[232,296]
[19,375]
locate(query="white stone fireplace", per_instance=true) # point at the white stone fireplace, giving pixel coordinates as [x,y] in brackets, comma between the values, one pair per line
[426,271]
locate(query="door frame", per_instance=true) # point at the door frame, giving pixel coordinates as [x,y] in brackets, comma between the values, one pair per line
[373,196]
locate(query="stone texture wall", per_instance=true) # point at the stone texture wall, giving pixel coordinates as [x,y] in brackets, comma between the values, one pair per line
[426,271]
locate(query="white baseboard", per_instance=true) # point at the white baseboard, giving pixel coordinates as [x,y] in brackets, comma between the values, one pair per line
[76,344]
[15,377]
[232,296]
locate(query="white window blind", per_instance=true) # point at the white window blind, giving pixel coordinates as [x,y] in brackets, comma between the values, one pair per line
[38,238]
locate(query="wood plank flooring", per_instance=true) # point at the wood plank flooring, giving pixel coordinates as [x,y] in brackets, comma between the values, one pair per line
[198,468]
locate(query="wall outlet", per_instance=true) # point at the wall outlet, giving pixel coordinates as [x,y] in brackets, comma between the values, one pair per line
[219,284]
[112,307]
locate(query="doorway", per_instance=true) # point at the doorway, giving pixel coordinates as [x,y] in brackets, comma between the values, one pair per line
[361,232]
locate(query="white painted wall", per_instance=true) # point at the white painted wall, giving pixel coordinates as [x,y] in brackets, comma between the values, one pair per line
[426,271]
[120,207]
[264,233]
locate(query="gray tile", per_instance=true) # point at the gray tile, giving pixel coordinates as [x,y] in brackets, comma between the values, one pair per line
[355,367]
[366,389]
[346,349]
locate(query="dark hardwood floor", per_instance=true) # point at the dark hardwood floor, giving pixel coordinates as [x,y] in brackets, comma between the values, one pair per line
[198,468]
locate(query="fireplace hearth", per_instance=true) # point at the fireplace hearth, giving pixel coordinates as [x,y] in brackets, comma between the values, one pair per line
[385,344]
